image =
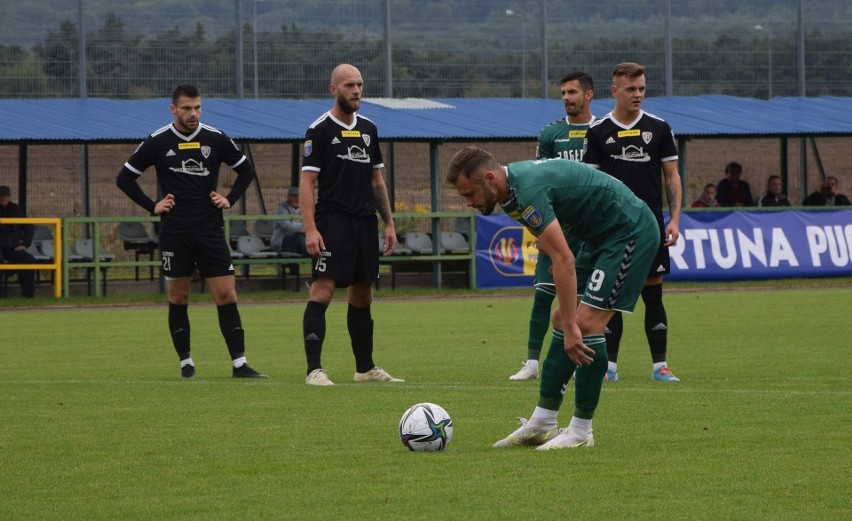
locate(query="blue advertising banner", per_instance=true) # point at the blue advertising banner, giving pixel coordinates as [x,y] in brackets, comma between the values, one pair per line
[713,246]
[741,245]
[505,253]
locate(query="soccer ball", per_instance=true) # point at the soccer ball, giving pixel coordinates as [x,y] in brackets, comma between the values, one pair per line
[426,427]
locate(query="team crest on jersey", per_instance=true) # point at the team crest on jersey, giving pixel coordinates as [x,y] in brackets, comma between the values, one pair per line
[205,151]
[366,139]
[531,217]
[308,148]
[647,137]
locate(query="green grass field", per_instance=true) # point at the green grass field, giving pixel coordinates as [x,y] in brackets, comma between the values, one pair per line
[96,423]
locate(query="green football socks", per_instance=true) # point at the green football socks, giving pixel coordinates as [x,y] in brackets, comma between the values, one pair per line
[557,370]
[589,379]
[539,323]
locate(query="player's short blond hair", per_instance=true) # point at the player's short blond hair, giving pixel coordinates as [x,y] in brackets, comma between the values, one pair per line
[629,69]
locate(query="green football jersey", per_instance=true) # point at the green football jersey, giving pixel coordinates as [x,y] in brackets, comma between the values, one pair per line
[563,140]
[588,204]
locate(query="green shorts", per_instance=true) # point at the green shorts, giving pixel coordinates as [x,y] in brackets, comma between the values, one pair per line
[544,266]
[611,275]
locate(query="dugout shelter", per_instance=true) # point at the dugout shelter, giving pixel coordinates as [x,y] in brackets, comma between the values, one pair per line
[93,122]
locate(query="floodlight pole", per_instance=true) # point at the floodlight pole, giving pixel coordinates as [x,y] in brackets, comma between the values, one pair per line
[544,49]
[523,17]
[254,43]
[81,51]
[769,43]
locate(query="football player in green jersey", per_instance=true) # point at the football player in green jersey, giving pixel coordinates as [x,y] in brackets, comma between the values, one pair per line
[555,198]
[561,139]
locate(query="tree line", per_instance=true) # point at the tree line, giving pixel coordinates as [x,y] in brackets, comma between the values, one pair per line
[294,63]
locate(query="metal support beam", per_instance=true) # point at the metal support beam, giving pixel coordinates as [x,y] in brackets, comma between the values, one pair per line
[436,207]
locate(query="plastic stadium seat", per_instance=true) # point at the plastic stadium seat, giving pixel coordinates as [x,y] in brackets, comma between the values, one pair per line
[42,233]
[135,237]
[85,249]
[419,243]
[263,229]
[254,248]
[135,233]
[454,242]
[237,229]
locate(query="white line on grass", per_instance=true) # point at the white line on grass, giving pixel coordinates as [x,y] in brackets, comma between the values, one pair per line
[409,386]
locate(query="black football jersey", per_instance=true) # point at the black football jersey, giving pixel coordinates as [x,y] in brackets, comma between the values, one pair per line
[344,156]
[188,167]
[634,154]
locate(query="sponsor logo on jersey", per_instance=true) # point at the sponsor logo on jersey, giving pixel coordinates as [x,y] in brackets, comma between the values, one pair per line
[350,133]
[308,148]
[205,151]
[531,217]
[188,146]
[192,167]
[357,154]
[367,139]
[572,134]
[335,141]
[609,141]
[170,153]
[647,137]
[629,133]
[632,153]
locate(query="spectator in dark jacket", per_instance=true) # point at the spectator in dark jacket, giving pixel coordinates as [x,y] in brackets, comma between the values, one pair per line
[732,191]
[827,195]
[773,195]
[14,241]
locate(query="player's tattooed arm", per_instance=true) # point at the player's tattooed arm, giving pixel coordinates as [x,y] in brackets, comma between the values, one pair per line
[380,191]
[674,194]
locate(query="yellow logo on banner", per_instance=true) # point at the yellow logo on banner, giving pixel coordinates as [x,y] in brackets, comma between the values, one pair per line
[629,133]
[576,134]
[350,133]
[529,251]
[185,146]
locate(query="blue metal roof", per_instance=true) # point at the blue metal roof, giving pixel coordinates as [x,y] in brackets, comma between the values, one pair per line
[480,119]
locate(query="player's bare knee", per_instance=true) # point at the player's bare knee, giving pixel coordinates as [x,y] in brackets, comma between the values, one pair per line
[556,319]
[179,291]
[322,290]
[360,295]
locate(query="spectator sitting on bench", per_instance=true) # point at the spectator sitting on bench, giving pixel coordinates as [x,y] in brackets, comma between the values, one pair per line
[289,234]
[14,241]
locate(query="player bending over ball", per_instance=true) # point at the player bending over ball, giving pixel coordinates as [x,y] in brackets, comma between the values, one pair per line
[553,198]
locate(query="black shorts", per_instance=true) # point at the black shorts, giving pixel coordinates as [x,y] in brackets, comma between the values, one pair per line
[181,253]
[661,264]
[351,254]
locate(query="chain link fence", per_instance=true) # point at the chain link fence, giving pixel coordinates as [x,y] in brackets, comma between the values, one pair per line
[460,48]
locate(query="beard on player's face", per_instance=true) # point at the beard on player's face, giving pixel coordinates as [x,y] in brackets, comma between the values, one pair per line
[489,202]
[347,106]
